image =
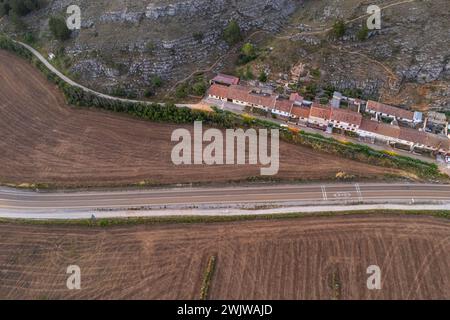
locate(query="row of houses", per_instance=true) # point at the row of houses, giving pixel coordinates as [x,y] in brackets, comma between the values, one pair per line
[327,117]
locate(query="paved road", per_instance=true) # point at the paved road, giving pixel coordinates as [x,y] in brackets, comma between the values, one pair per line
[28,201]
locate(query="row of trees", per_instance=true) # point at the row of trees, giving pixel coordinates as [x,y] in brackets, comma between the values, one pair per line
[58,28]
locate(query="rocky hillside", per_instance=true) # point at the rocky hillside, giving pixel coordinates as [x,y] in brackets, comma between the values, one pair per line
[128,42]
[406,63]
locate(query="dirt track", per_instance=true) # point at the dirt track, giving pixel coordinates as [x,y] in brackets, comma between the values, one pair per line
[46,141]
[311,258]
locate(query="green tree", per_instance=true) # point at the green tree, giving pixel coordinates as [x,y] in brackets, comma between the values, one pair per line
[17,22]
[315,73]
[156,81]
[148,93]
[249,74]
[23,7]
[29,38]
[18,7]
[59,29]
[248,53]
[198,36]
[150,46]
[199,88]
[339,29]
[363,33]
[4,8]
[262,77]
[248,49]
[182,91]
[232,33]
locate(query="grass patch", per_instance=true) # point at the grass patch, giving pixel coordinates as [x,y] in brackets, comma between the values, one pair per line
[211,266]
[112,222]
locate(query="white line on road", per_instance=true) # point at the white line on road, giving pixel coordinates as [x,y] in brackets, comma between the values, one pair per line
[324,193]
[358,192]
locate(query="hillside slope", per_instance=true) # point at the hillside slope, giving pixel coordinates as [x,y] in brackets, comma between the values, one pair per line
[128,42]
[125,43]
[406,63]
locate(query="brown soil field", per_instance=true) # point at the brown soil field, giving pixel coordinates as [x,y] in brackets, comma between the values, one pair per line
[307,258]
[46,141]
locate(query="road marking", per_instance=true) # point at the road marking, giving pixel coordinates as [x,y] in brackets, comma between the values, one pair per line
[324,193]
[342,195]
[358,192]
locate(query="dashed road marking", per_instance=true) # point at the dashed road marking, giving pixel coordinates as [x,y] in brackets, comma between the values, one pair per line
[358,192]
[324,193]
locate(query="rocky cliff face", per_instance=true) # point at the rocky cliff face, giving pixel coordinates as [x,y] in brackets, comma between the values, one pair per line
[127,42]
[407,62]
[130,41]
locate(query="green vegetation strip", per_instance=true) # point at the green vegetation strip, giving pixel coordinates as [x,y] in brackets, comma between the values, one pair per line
[111,222]
[225,119]
[207,278]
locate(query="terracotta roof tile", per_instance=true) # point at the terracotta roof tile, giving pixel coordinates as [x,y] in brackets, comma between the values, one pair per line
[218,91]
[320,111]
[226,79]
[284,105]
[301,112]
[384,108]
[380,128]
[348,116]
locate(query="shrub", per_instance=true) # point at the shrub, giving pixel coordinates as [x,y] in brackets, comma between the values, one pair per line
[18,23]
[262,76]
[315,73]
[4,8]
[59,29]
[199,88]
[156,81]
[232,33]
[148,93]
[29,38]
[198,36]
[249,74]
[339,29]
[23,7]
[182,91]
[363,33]
[150,47]
[248,53]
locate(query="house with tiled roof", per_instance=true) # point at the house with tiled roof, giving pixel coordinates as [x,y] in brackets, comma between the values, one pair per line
[345,119]
[218,92]
[224,79]
[242,95]
[383,110]
[319,116]
[296,98]
[283,107]
[301,114]
[408,137]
